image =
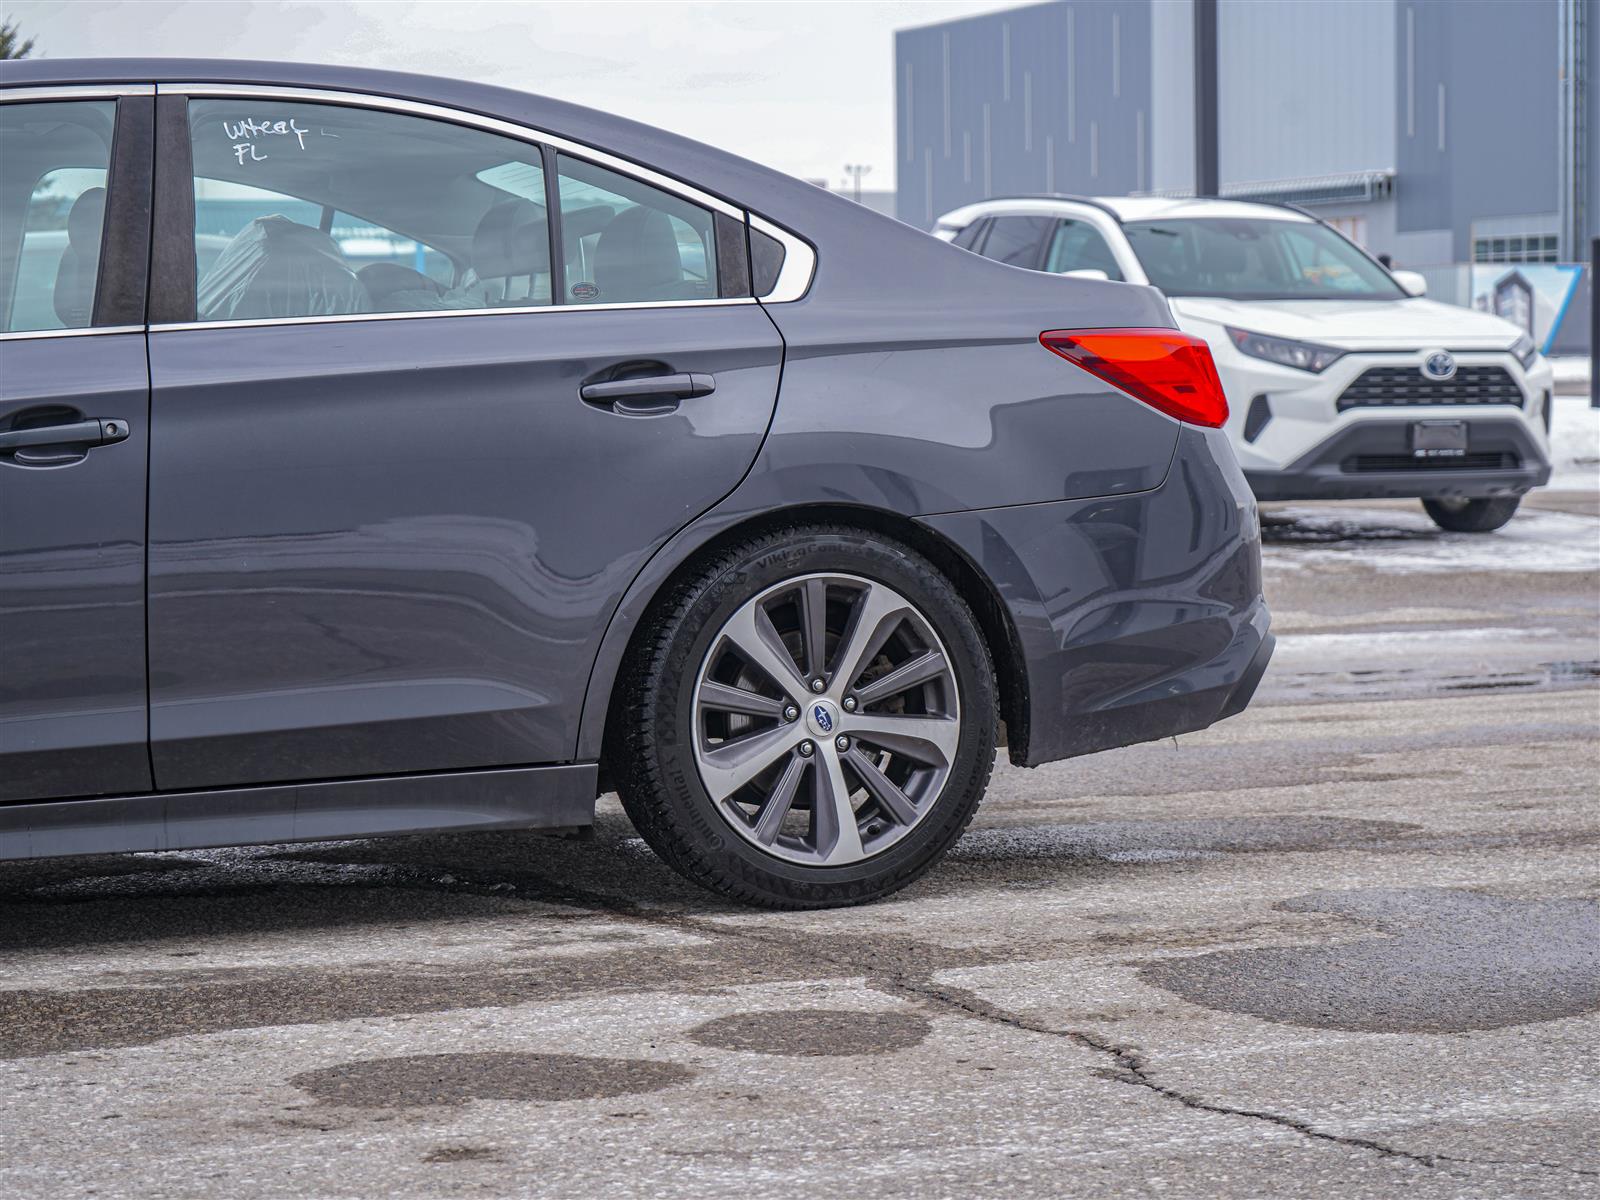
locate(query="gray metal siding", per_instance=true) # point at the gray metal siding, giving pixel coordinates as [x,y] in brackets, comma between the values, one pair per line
[1305,89]
[1054,97]
[1477,101]
[1172,95]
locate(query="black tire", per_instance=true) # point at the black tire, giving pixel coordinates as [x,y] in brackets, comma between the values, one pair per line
[653,734]
[1472,516]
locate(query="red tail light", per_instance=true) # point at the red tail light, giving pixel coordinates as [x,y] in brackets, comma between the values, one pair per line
[1168,370]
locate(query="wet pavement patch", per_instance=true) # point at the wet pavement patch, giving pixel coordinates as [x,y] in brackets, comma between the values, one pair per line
[1317,527]
[455,1154]
[1167,841]
[160,1004]
[452,1079]
[812,1032]
[1444,962]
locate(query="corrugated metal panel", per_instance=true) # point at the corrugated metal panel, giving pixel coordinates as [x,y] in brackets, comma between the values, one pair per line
[1305,88]
[1053,97]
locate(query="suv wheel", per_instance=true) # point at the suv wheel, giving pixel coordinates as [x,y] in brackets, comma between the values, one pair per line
[809,722]
[1472,516]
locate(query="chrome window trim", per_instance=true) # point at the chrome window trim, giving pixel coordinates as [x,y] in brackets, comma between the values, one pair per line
[76,91]
[456,116]
[423,314]
[799,262]
[17,335]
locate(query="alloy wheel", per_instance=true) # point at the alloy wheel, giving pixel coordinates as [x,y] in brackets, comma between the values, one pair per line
[826,719]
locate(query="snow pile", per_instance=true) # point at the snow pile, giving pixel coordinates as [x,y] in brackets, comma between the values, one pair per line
[1571,373]
[1575,444]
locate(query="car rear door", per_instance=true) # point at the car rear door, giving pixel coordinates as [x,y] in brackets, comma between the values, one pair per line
[74,250]
[392,512]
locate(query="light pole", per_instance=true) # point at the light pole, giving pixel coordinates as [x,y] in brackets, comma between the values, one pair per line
[856,171]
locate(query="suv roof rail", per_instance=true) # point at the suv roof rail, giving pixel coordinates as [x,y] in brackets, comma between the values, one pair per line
[1088,200]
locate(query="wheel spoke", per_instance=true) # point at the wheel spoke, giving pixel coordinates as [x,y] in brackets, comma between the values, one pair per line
[734,699]
[754,637]
[928,665]
[930,740]
[833,821]
[728,767]
[889,794]
[814,627]
[877,614]
[778,804]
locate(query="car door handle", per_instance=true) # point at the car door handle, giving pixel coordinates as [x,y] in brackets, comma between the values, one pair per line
[655,388]
[93,432]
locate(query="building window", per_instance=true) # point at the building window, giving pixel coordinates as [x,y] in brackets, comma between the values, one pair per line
[1515,248]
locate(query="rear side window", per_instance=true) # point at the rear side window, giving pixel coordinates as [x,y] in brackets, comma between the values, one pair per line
[53,163]
[625,242]
[1078,246]
[968,237]
[318,210]
[1015,240]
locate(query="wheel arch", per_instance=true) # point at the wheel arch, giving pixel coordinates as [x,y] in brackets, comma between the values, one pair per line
[657,582]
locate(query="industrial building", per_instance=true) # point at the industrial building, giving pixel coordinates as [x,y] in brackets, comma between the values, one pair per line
[1436,132]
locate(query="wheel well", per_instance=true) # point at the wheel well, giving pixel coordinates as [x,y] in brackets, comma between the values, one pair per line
[1011,683]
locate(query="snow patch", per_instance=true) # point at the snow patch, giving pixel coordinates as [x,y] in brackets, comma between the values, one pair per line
[1400,541]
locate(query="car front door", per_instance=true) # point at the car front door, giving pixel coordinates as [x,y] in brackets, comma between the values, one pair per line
[436,397]
[74,393]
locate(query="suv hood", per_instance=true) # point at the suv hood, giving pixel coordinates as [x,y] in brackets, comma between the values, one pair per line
[1410,324]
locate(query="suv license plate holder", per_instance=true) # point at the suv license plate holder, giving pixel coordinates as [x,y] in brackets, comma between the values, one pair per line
[1439,439]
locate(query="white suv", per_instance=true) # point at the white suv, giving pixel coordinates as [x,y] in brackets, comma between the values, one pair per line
[1341,382]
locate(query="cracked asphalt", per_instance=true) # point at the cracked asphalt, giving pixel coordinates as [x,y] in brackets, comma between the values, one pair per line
[1343,945]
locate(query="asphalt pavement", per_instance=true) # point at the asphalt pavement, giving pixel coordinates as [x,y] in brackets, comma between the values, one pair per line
[1346,944]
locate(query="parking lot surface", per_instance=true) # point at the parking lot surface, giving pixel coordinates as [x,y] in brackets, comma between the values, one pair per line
[1345,944]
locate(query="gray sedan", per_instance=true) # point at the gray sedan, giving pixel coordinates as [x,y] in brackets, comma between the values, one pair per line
[382,454]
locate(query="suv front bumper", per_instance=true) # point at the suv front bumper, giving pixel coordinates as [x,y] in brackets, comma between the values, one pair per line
[1373,459]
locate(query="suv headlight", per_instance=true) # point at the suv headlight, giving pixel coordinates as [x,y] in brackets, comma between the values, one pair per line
[1303,356]
[1525,349]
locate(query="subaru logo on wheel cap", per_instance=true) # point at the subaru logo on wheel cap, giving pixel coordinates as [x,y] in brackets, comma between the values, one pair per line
[1439,365]
[822,717]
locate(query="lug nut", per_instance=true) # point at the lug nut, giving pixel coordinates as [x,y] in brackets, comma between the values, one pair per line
[817,685]
[806,749]
[849,704]
[842,742]
[791,713]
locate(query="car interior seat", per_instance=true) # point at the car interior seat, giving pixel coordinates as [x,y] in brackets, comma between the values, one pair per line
[275,267]
[637,258]
[510,247]
[80,261]
[394,288]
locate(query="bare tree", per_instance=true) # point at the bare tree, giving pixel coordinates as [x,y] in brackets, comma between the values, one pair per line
[12,44]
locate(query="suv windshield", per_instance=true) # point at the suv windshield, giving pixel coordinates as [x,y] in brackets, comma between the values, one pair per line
[1256,259]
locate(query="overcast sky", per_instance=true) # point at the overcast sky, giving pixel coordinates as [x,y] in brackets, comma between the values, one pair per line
[802,86]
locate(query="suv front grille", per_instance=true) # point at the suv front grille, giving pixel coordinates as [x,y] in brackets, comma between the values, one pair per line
[1493,461]
[1390,387]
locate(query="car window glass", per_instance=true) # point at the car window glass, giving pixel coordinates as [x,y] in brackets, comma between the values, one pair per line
[324,210]
[1246,258]
[363,241]
[625,242]
[1078,246]
[53,163]
[968,237]
[1323,262]
[1015,240]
